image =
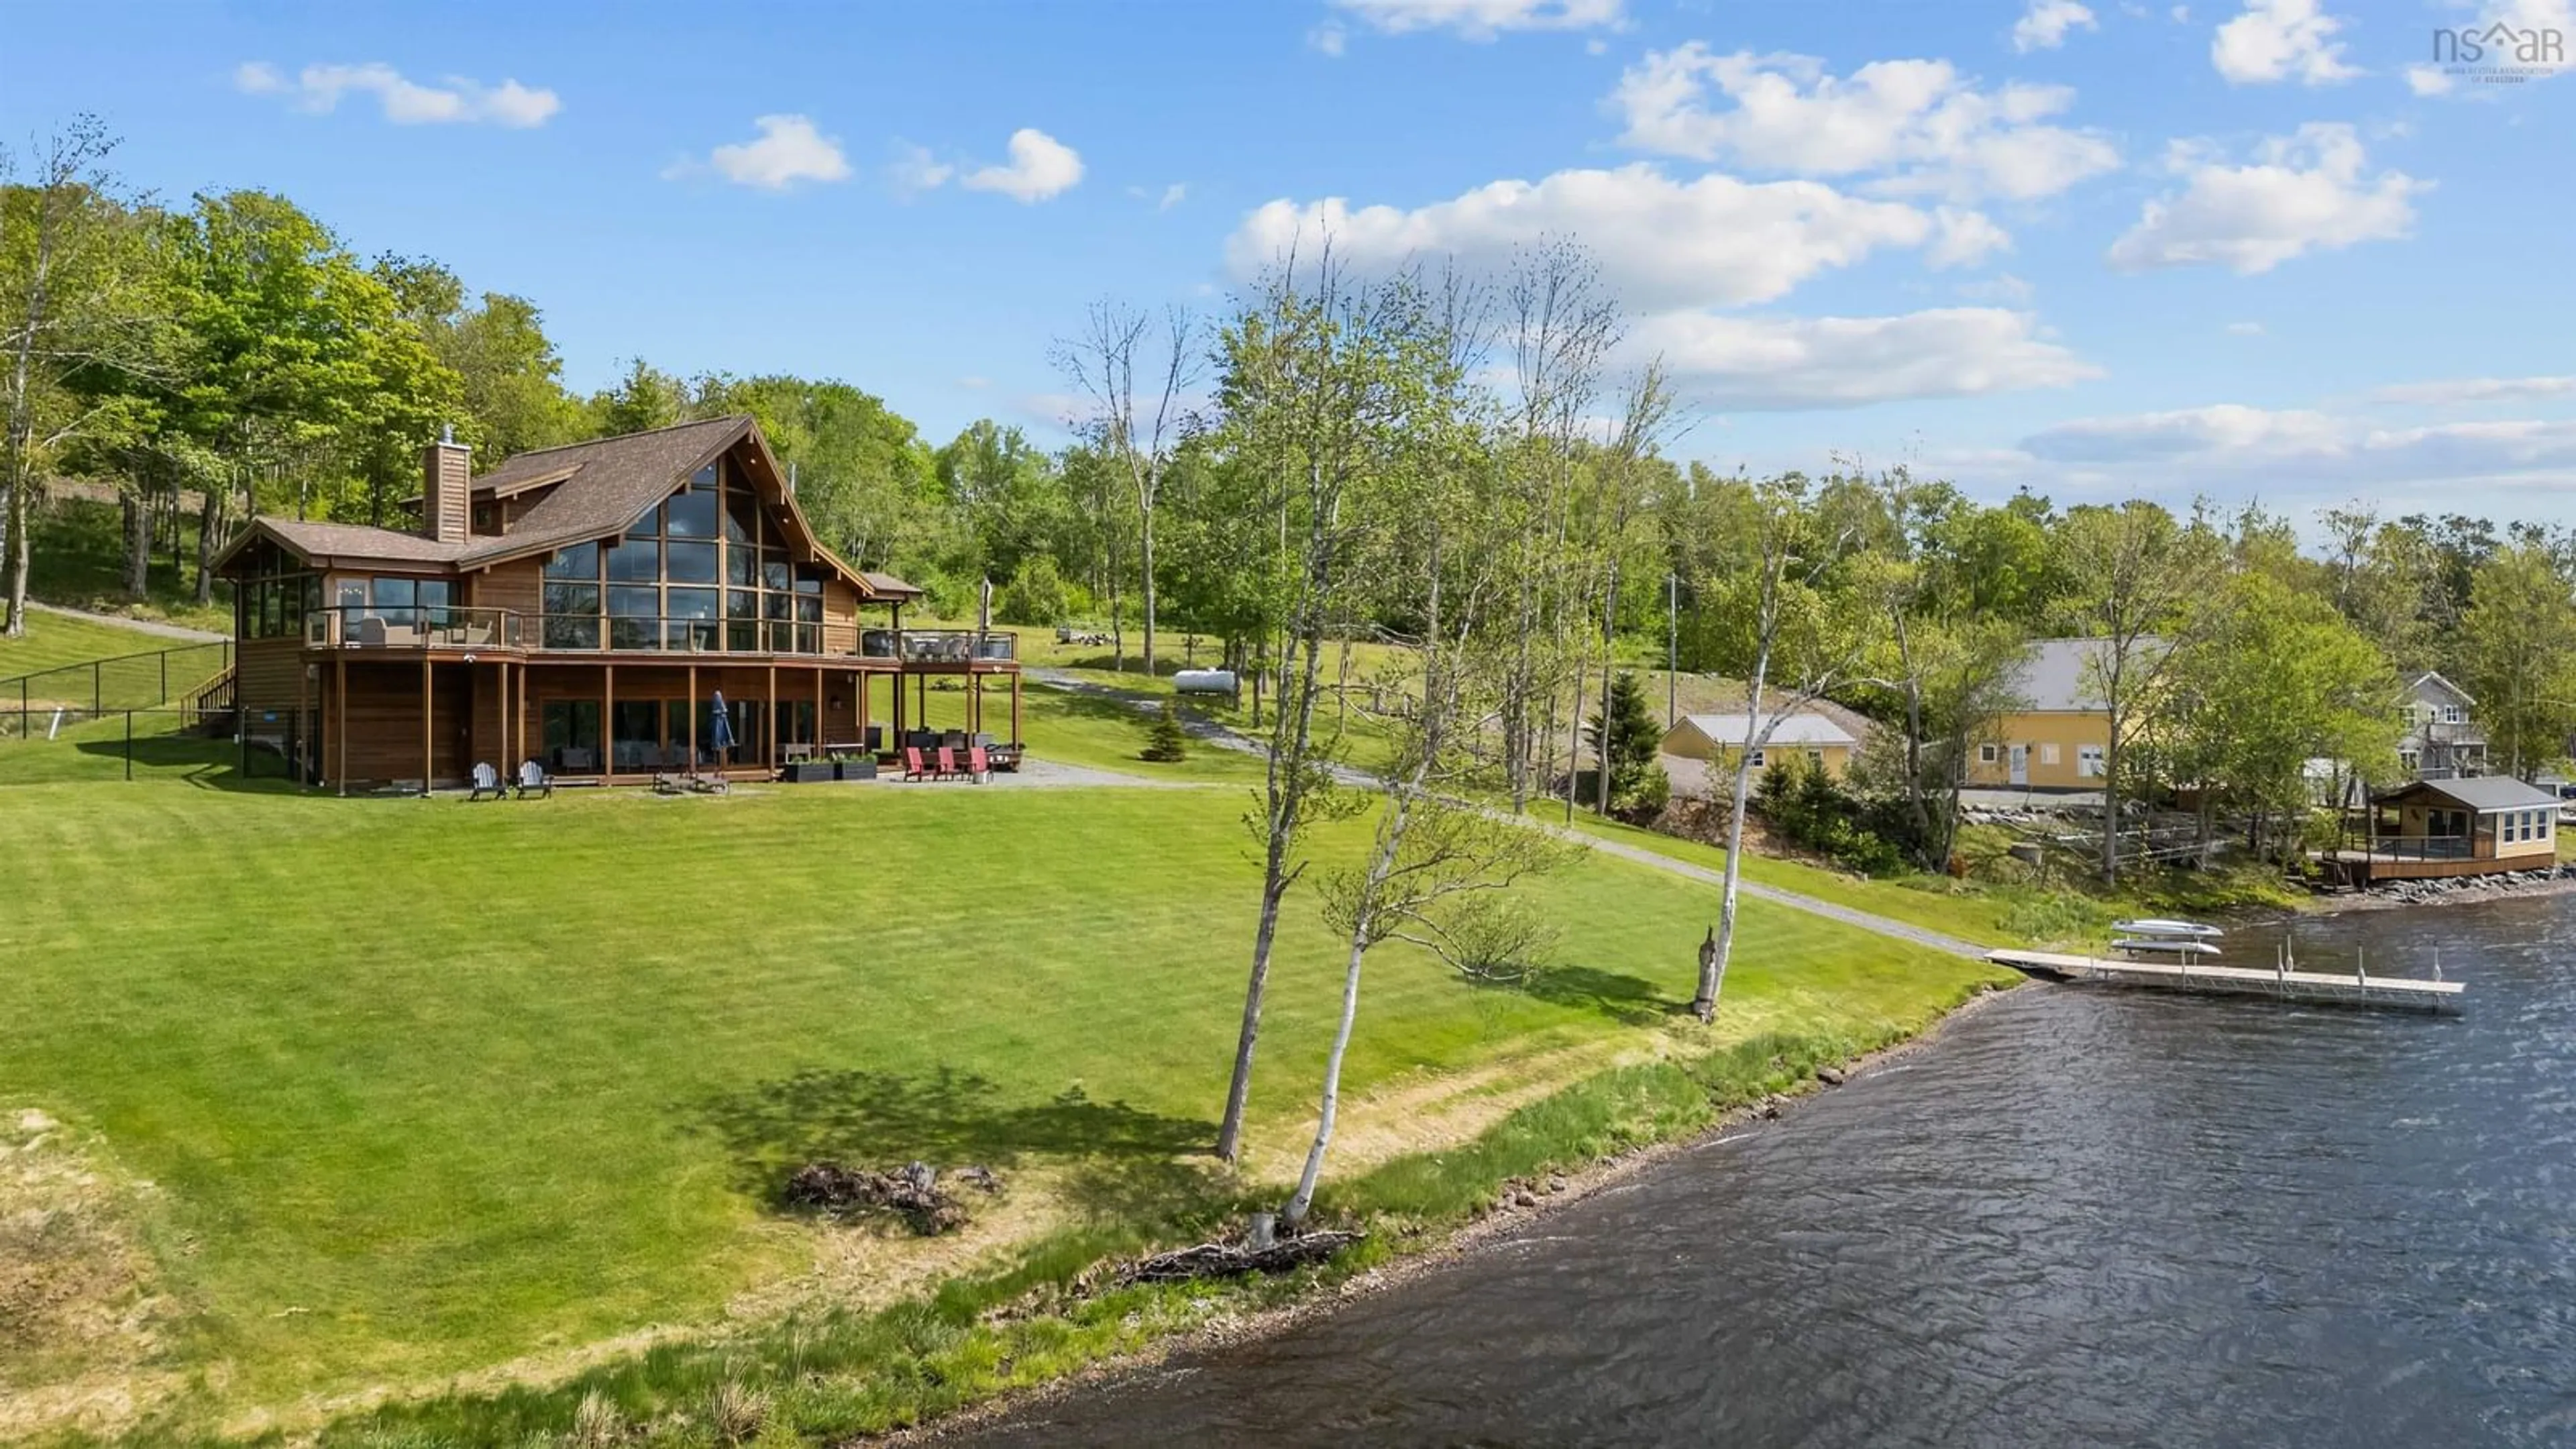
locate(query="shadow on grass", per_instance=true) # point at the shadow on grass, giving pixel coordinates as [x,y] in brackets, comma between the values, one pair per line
[1126,1157]
[1627,1000]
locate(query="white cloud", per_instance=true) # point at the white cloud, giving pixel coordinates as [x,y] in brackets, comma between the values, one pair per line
[1329,38]
[2004,287]
[2244,329]
[974,383]
[1661,243]
[1964,238]
[2233,448]
[1918,125]
[404,102]
[2277,40]
[2044,25]
[915,169]
[2524,50]
[1165,199]
[2477,390]
[1772,363]
[788,150]
[1041,167]
[2299,193]
[2225,427]
[1483,19]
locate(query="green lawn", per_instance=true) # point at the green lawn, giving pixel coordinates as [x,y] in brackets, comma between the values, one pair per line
[54,639]
[1985,915]
[427,1086]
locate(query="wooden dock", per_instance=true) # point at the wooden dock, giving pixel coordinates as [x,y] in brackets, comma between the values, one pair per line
[2358,989]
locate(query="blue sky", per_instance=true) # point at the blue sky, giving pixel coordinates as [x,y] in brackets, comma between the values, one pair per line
[2102,248]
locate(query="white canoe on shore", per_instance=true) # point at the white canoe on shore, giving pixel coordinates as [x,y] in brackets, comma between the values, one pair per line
[2158,926]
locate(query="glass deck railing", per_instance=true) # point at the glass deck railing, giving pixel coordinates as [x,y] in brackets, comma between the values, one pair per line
[939,646]
[412,626]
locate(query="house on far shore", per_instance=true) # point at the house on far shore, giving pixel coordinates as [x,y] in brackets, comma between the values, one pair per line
[585,607]
[2060,739]
[1714,740]
[2479,826]
[2442,739]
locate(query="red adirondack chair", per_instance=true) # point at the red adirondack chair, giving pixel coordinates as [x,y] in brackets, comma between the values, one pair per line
[978,768]
[947,761]
[913,769]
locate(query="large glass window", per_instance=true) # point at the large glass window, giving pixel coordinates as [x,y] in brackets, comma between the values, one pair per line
[689,563]
[691,621]
[635,560]
[581,561]
[691,514]
[571,733]
[702,572]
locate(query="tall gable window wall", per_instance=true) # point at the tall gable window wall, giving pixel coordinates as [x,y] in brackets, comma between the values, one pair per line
[708,570]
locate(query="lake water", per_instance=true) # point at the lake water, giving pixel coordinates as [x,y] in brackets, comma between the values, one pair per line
[2080,1216]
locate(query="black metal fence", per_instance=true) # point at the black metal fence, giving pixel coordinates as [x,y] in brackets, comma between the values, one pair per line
[204,746]
[192,675]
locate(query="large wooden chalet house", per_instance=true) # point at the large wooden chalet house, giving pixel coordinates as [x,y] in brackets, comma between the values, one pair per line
[581,606]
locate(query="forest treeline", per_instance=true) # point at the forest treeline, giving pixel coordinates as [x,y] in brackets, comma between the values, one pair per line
[232,355]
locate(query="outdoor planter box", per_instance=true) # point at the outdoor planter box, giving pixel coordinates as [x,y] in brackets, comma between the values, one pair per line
[855,770]
[809,772]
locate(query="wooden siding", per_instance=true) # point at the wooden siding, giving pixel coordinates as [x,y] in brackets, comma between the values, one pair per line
[382,718]
[269,674]
[518,585]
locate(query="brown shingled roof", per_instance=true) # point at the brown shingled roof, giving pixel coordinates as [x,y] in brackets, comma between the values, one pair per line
[346,541]
[607,483]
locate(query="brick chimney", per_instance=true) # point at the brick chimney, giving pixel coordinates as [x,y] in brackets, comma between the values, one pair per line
[447,478]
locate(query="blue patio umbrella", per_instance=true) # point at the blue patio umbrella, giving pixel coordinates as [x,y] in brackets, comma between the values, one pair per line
[719,724]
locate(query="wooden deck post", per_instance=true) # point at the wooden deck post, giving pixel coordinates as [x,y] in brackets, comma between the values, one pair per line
[608,726]
[772,760]
[426,732]
[817,741]
[859,680]
[693,717]
[339,724]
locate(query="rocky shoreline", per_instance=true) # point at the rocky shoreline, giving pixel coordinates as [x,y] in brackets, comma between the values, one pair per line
[2453,890]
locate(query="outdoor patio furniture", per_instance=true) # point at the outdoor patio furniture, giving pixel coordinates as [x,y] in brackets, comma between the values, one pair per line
[487,781]
[574,758]
[368,633]
[979,768]
[533,776]
[912,766]
[947,762]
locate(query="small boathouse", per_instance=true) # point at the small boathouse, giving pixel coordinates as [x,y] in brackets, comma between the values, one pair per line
[2486,825]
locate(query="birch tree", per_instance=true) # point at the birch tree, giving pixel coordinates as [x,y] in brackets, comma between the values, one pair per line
[77,313]
[2130,572]
[1139,438]
[1559,327]
[1432,852]
[1646,410]
[1321,375]
[1791,639]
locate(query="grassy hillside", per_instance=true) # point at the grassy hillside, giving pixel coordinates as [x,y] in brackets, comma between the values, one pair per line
[422,1087]
[55,639]
[79,563]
